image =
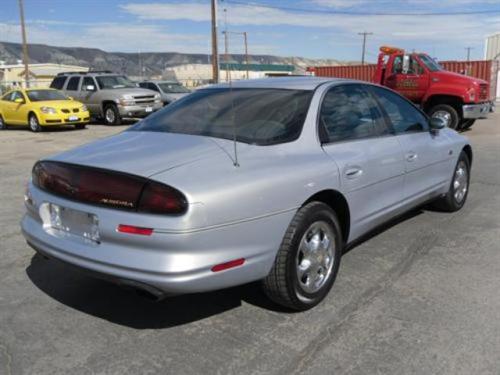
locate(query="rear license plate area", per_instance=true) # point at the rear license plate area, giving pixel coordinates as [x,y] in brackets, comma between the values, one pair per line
[74,222]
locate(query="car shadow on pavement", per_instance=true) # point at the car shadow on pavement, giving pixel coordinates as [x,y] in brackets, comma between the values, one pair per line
[121,306]
[125,307]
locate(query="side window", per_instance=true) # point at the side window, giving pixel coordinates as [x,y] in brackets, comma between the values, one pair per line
[397,65]
[73,84]
[405,118]
[58,83]
[7,96]
[349,112]
[88,81]
[16,95]
[144,85]
[415,67]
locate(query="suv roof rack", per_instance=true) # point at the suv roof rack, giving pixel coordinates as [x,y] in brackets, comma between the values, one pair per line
[84,73]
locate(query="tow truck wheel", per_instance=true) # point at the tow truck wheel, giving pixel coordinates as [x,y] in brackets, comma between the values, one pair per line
[447,113]
[466,124]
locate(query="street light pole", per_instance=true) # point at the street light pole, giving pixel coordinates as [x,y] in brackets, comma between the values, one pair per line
[25,46]
[365,34]
[215,51]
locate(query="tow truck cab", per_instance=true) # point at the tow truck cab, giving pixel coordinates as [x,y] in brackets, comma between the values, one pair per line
[456,98]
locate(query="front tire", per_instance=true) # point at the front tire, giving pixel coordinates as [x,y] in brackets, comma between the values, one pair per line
[447,113]
[456,196]
[112,115]
[466,124]
[34,124]
[308,260]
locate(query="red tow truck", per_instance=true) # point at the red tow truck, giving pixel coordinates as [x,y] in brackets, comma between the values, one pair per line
[456,98]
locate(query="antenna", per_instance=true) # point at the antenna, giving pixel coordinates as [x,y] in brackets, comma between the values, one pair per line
[228,77]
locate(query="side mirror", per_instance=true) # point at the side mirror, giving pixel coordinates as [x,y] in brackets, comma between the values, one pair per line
[406,64]
[90,88]
[437,123]
[19,100]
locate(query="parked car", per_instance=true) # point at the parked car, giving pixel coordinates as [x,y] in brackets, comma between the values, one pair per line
[170,91]
[264,180]
[40,108]
[109,96]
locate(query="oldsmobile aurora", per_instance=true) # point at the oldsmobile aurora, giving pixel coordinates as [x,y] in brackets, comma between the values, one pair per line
[262,180]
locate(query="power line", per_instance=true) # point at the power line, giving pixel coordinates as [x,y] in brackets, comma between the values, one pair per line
[361,13]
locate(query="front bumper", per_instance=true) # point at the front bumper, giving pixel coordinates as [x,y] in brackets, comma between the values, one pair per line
[476,111]
[131,111]
[58,119]
[165,262]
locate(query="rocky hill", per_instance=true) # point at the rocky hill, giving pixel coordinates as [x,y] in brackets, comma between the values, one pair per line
[152,63]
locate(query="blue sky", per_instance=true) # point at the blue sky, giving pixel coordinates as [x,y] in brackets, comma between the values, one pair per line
[183,26]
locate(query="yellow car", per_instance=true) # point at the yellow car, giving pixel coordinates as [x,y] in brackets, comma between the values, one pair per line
[40,108]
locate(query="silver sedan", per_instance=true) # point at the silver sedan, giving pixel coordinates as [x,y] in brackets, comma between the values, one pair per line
[258,180]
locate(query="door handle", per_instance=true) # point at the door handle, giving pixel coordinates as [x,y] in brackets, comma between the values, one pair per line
[353,172]
[411,156]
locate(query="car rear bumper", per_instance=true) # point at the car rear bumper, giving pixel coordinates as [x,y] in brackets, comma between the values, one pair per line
[165,263]
[476,111]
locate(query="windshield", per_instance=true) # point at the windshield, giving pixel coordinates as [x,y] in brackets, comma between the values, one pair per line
[258,116]
[431,64]
[114,82]
[173,88]
[43,95]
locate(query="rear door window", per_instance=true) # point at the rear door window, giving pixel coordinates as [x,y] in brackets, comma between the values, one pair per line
[88,81]
[73,84]
[348,113]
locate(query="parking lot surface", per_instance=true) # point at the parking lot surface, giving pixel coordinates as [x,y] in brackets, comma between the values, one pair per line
[419,296]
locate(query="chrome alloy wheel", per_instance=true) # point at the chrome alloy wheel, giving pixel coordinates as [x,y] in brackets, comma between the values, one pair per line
[2,123]
[460,182]
[315,260]
[110,115]
[443,115]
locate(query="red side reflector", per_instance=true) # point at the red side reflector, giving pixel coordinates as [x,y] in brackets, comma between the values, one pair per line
[130,229]
[230,264]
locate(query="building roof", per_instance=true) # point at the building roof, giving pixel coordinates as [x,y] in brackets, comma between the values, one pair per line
[291,82]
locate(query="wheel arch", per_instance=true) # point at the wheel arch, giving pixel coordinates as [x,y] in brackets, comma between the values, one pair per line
[338,203]
[455,101]
[468,151]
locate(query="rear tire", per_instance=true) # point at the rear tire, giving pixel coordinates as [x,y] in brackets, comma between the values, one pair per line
[34,124]
[456,196]
[3,125]
[112,115]
[447,113]
[308,259]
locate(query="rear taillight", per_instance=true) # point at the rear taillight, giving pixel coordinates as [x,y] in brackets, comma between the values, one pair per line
[157,198]
[108,188]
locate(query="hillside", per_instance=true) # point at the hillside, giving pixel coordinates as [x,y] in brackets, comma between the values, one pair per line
[153,63]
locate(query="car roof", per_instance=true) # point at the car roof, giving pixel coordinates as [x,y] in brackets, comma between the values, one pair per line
[291,83]
[161,81]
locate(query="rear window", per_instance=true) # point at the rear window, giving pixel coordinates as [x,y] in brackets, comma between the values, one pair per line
[58,83]
[255,116]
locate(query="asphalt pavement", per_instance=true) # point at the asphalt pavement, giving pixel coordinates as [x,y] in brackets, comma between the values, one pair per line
[419,296]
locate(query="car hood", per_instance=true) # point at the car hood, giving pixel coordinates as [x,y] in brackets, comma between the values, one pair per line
[57,104]
[142,153]
[455,78]
[171,96]
[128,91]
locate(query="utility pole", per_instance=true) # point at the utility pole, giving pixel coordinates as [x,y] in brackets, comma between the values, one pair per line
[215,51]
[245,35]
[365,34]
[25,46]
[468,52]
[226,54]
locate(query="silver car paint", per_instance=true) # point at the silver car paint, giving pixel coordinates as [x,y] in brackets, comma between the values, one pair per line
[243,211]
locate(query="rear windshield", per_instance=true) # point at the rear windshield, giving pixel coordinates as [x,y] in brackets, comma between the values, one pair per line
[114,82]
[255,116]
[43,95]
